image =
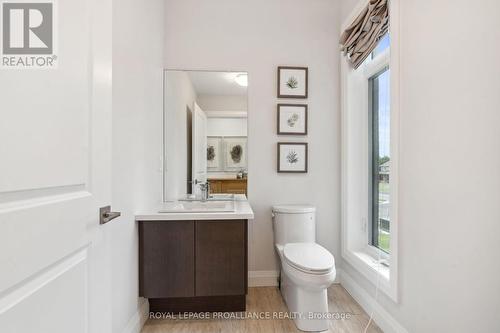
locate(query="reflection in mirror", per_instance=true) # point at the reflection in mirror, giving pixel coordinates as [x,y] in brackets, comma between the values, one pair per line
[205,134]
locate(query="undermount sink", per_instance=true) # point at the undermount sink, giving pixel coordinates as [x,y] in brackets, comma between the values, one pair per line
[197,207]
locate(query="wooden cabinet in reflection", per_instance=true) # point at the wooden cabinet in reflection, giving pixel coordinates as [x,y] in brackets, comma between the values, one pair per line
[222,185]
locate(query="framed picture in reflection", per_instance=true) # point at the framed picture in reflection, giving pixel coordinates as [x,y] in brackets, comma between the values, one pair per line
[214,156]
[236,153]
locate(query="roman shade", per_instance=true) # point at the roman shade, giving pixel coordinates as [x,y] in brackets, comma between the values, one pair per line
[363,35]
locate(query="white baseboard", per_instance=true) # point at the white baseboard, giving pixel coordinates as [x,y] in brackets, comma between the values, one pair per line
[380,316]
[138,320]
[263,278]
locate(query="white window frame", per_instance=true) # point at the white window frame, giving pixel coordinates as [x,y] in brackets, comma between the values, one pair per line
[356,249]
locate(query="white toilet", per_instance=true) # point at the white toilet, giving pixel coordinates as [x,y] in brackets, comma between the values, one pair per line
[307,268]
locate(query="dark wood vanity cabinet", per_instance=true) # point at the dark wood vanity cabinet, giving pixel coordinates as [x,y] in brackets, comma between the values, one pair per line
[193,265]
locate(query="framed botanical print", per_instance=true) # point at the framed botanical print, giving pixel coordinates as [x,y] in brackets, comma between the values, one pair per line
[292,157]
[236,153]
[292,119]
[292,82]
[214,153]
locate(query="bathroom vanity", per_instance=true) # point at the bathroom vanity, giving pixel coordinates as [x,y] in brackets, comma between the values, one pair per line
[193,248]
[195,261]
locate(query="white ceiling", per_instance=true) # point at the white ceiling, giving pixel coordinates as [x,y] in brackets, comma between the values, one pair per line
[216,83]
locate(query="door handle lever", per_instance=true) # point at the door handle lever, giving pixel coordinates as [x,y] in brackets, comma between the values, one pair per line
[106,215]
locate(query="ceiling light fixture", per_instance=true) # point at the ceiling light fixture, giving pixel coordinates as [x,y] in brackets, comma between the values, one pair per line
[241,79]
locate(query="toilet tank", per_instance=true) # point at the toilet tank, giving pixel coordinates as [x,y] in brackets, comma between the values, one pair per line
[294,223]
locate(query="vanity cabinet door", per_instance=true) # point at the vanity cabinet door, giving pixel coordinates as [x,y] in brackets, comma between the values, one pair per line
[221,258]
[166,259]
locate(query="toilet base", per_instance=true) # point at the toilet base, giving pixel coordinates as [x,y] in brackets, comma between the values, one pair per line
[308,307]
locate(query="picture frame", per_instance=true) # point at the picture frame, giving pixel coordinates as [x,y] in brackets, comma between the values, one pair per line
[292,157]
[235,151]
[292,119]
[293,82]
[214,153]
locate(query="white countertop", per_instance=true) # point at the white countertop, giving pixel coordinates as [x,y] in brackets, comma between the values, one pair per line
[242,211]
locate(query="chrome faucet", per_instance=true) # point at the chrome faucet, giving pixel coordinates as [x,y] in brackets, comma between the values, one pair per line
[205,190]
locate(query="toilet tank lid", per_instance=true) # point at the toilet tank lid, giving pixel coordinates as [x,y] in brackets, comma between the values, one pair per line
[294,209]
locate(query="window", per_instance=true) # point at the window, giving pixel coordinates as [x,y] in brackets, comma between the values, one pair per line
[379,160]
[370,166]
[382,45]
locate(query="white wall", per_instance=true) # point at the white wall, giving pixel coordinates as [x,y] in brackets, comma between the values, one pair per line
[257,36]
[179,96]
[222,102]
[227,126]
[449,230]
[347,7]
[137,141]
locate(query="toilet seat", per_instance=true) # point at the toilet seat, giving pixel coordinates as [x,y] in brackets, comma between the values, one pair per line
[310,258]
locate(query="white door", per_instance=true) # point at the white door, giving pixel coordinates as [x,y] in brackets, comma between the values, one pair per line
[55,127]
[199,147]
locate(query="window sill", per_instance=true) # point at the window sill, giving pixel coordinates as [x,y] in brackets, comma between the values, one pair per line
[369,267]
[372,262]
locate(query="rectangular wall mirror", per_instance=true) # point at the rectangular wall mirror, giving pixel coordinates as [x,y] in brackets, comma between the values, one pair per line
[205,133]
